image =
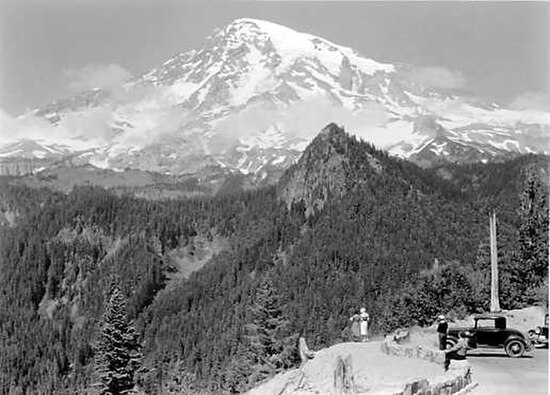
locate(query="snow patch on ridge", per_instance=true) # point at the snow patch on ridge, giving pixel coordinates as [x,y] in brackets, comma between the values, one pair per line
[270,138]
[182,90]
[258,80]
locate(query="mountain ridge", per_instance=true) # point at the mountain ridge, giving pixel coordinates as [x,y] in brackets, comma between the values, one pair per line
[249,100]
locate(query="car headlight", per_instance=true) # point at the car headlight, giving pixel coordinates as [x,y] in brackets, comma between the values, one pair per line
[537,331]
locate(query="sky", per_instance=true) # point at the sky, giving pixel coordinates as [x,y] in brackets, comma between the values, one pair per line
[50,49]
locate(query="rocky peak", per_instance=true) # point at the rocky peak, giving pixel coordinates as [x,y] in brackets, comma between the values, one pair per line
[243,30]
[320,174]
[331,141]
[334,163]
[334,135]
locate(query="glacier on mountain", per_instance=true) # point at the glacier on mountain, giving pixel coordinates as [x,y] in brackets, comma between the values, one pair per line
[250,100]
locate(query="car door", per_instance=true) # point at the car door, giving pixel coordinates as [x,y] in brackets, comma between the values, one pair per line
[502,333]
[486,334]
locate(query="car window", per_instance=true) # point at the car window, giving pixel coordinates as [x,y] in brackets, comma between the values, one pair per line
[486,324]
[500,323]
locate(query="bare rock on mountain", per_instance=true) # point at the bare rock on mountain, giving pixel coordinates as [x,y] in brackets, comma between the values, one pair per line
[320,173]
[334,163]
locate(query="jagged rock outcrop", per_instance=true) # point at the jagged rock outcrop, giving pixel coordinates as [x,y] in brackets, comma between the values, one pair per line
[16,167]
[346,74]
[444,145]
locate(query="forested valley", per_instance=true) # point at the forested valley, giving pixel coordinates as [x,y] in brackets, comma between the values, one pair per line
[347,226]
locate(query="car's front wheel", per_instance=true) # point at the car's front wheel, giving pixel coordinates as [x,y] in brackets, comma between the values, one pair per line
[514,348]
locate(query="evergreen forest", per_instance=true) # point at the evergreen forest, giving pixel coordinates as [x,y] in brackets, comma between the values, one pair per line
[346,226]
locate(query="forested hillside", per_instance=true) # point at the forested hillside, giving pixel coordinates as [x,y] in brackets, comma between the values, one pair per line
[347,226]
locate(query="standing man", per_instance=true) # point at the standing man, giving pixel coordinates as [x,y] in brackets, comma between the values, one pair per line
[442,327]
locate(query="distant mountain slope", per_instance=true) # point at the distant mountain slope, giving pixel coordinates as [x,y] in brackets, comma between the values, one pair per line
[248,101]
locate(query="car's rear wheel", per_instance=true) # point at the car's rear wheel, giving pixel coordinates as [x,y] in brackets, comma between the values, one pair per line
[514,348]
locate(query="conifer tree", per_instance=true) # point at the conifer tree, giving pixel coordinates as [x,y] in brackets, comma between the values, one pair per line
[271,344]
[533,231]
[118,352]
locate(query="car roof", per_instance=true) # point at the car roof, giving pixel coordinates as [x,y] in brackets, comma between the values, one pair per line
[488,316]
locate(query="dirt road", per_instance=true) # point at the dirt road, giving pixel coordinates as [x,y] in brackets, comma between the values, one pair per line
[498,374]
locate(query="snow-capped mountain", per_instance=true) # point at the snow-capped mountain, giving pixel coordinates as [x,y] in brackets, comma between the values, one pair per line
[251,99]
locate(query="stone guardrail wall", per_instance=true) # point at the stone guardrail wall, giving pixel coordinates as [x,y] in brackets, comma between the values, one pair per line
[457,379]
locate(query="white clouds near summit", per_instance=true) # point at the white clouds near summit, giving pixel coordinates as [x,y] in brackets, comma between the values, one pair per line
[96,76]
[438,77]
[532,101]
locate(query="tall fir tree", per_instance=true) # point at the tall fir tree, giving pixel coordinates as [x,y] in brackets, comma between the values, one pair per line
[533,230]
[272,345]
[118,353]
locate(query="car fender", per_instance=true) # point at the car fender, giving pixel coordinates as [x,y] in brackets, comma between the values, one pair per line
[526,343]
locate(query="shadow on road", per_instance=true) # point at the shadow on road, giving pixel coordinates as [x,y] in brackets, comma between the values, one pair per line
[487,355]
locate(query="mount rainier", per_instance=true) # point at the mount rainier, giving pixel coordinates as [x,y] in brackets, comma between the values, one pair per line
[250,100]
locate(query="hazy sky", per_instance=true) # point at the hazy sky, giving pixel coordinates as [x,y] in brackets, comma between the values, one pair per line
[50,48]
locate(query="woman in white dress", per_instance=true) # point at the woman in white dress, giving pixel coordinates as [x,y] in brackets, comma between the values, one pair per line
[360,325]
[364,324]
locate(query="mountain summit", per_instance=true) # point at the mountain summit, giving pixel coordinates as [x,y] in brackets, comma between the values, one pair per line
[332,165]
[249,100]
[261,60]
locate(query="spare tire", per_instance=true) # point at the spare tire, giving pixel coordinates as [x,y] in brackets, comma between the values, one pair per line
[450,343]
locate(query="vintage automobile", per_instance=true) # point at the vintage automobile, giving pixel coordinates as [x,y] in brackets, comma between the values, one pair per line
[490,331]
[539,335]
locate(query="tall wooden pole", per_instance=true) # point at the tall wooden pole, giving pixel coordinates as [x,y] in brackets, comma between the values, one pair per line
[495,305]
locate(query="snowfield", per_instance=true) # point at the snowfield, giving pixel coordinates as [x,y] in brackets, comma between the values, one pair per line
[254,87]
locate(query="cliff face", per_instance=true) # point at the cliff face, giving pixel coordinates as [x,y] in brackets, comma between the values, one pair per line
[16,167]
